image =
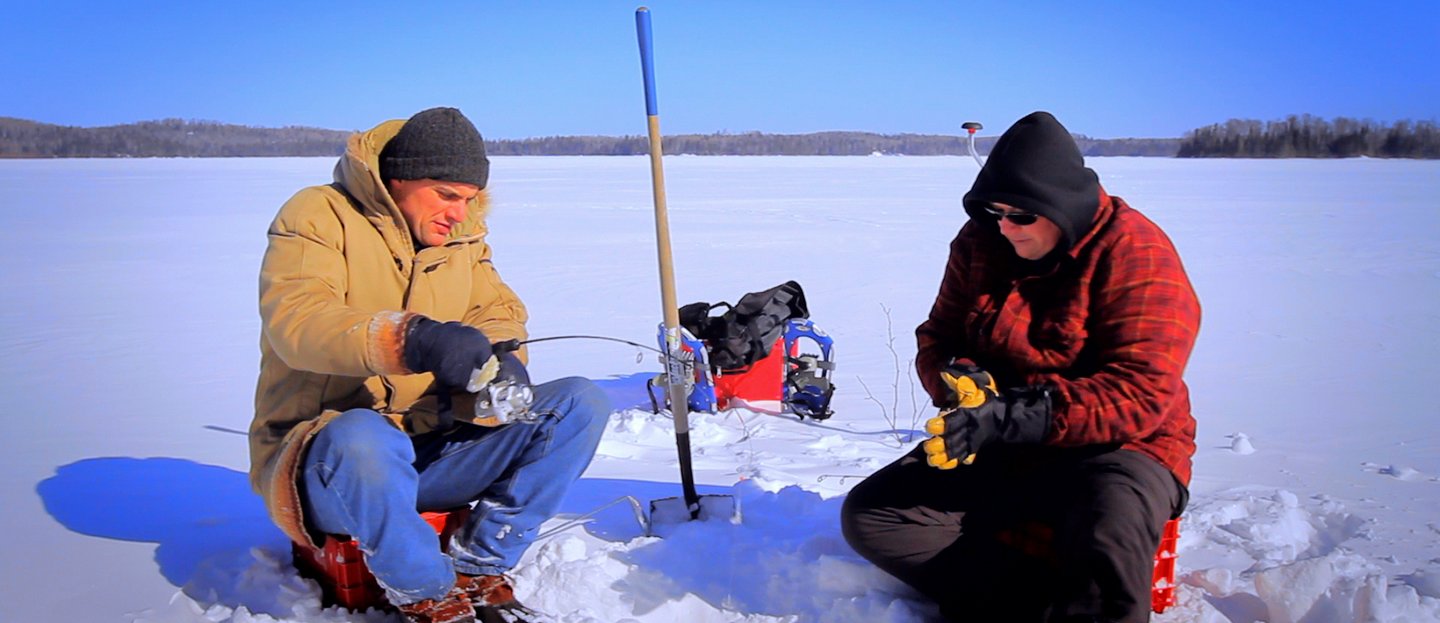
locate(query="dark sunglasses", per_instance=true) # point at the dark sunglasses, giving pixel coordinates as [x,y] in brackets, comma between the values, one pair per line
[1018,218]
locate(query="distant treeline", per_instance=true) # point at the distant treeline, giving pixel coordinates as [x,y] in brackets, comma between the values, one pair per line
[816,144]
[20,138]
[1302,136]
[1305,136]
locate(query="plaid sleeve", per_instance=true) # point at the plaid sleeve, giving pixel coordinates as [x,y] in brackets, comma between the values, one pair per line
[941,337]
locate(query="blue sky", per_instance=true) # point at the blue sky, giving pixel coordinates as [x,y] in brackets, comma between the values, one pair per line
[520,69]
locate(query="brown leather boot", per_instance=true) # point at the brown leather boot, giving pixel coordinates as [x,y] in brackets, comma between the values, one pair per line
[485,590]
[453,608]
[492,596]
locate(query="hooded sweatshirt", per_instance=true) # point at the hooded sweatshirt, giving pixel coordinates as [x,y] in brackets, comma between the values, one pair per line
[1108,320]
[1036,167]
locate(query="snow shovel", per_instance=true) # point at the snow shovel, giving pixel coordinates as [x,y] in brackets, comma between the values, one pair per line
[669,511]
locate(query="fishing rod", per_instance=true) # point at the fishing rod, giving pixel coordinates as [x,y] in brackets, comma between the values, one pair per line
[502,400]
[592,337]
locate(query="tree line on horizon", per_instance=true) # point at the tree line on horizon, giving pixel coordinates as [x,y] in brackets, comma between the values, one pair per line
[1306,136]
[1302,136]
[20,138]
[814,144]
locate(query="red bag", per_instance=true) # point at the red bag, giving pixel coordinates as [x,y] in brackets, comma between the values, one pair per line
[759,386]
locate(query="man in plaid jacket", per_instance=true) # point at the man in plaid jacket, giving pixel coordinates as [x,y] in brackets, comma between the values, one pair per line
[1055,350]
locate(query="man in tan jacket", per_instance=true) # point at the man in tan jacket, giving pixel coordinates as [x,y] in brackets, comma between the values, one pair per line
[379,303]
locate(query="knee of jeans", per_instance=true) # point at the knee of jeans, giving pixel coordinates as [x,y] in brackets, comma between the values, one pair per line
[363,436]
[587,398]
[357,425]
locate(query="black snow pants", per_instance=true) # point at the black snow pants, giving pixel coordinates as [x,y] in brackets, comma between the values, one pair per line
[1026,533]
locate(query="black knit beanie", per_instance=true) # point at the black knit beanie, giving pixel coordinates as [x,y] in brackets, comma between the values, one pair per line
[438,144]
[1037,167]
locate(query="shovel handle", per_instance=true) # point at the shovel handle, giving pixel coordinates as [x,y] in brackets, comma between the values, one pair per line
[679,401]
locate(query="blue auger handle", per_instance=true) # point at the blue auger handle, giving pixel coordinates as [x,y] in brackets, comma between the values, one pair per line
[647,66]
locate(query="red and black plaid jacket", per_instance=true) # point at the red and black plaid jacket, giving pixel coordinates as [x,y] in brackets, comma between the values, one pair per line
[1110,328]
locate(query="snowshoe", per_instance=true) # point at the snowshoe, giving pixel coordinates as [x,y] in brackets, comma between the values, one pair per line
[701,394]
[808,388]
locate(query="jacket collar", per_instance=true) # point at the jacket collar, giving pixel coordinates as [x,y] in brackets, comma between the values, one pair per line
[1102,217]
[358,174]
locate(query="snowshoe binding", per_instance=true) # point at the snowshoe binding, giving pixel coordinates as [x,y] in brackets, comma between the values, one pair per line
[808,388]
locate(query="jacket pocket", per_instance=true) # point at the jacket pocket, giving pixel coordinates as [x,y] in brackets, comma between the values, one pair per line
[440,285]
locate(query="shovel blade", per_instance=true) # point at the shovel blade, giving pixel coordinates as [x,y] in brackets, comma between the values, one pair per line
[666,513]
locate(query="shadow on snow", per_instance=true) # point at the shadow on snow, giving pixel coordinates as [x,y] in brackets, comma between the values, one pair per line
[206,521]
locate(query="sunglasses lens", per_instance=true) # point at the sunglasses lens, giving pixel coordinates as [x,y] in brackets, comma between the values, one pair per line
[1018,218]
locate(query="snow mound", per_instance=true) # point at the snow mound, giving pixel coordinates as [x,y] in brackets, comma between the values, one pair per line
[1426,583]
[258,586]
[1258,555]
[1398,472]
[1240,444]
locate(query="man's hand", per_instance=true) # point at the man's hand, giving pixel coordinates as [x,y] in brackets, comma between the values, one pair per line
[511,369]
[449,350]
[960,432]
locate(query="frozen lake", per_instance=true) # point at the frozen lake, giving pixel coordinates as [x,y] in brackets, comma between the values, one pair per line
[129,331]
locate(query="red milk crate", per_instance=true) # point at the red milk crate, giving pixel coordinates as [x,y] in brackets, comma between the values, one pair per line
[339,566]
[1162,587]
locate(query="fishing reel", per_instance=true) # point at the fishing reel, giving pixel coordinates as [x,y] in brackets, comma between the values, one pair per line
[503,402]
[500,401]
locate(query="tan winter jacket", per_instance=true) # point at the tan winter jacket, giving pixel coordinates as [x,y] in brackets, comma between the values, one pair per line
[339,279]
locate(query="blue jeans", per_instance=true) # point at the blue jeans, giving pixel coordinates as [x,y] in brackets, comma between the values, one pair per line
[365,478]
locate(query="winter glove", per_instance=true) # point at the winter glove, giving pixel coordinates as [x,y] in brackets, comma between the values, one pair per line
[964,382]
[1022,416]
[511,369]
[450,350]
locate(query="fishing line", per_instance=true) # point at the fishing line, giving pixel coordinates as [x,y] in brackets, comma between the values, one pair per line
[594,337]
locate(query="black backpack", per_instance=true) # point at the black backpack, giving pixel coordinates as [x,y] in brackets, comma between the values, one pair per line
[746,331]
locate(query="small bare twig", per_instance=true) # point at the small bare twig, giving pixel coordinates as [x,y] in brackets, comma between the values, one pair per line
[895,356]
[892,413]
[886,413]
[917,408]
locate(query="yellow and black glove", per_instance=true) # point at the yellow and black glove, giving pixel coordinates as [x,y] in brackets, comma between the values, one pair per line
[981,416]
[965,383]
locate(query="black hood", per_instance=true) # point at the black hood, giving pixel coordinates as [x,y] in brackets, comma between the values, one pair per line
[1036,167]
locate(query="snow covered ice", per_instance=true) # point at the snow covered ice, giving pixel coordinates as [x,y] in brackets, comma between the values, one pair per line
[129,354]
